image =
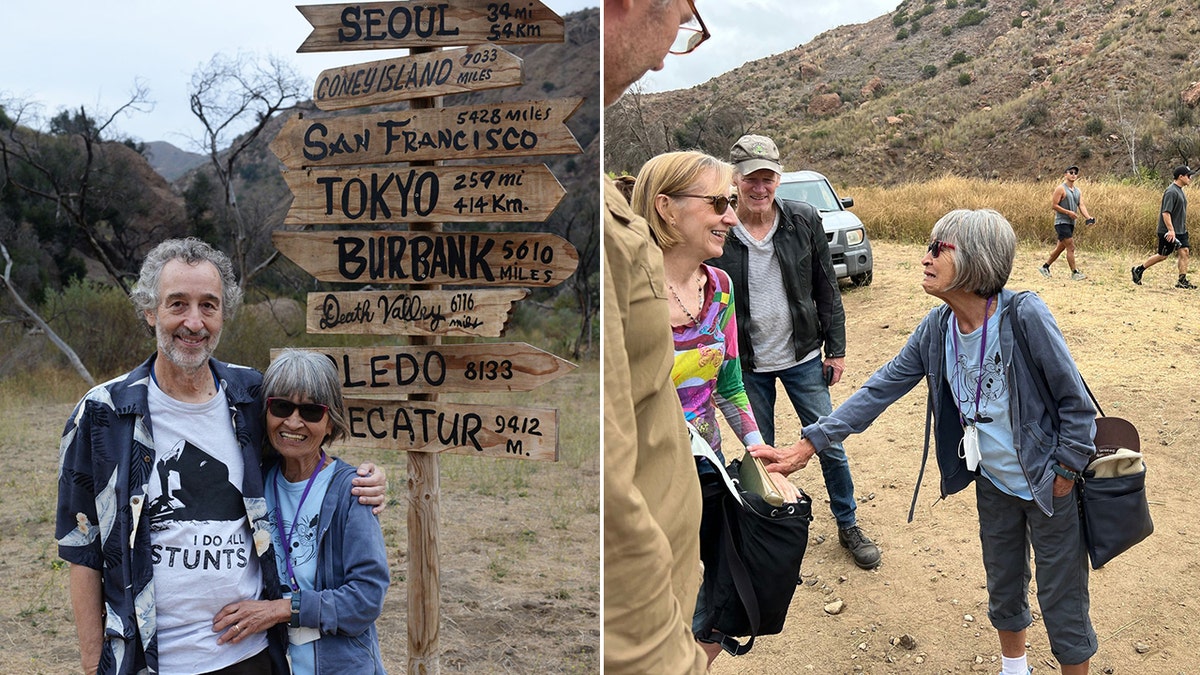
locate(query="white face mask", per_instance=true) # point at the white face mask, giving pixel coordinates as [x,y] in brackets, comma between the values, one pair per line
[969,448]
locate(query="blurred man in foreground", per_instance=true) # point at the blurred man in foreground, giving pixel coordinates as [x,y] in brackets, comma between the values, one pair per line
[652,502]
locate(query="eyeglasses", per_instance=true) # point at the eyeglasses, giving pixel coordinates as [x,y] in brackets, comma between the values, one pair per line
[719,202]
[309,412]
[690,38]
[937,246]
[1074,173]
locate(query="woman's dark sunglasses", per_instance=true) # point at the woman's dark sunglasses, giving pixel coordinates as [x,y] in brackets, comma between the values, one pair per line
[309,412]
[719,202]
[936,246]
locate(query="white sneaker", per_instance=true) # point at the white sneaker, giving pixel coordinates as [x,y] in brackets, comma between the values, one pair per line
[1078,276]
[1045,271]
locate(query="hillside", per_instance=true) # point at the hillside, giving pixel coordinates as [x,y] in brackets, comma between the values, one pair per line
[171,162]
[980,88]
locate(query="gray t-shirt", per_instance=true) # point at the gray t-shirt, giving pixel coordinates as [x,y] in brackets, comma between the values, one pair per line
[1175,203]
[770,326]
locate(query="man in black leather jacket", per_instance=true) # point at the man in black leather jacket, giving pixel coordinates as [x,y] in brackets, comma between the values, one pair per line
[788,308]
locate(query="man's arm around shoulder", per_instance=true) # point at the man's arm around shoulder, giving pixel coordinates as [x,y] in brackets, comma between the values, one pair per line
[87,600]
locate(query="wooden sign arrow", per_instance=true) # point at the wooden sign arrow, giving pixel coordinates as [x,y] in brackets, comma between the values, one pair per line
[475,312]
[481,258]
[463,429]
[440,369]
[493,193]
[451,71]
[515,129]
[389,25]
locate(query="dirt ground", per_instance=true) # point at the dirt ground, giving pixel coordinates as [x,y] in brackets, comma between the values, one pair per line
[1137,348]
[520,589]
[519,550]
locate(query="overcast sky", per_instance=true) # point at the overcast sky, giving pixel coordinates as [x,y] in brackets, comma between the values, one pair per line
[751,29]
[67,53]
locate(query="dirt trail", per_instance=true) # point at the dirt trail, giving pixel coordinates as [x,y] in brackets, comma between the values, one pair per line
[1138,348]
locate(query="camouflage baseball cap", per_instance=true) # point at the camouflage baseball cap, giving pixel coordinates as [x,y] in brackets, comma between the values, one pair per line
[752,152]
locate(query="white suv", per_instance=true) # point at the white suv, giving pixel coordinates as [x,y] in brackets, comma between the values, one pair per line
[848,243]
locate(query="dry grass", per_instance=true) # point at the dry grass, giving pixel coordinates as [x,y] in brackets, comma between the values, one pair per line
[1125,214]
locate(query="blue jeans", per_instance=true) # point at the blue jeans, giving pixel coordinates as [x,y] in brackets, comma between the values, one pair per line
[805,386]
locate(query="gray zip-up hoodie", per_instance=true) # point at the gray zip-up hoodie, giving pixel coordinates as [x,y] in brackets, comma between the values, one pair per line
[1038,444]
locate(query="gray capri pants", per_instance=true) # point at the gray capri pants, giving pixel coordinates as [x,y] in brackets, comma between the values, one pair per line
[1008,526]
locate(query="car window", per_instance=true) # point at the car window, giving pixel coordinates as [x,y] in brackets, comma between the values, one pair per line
[815,192]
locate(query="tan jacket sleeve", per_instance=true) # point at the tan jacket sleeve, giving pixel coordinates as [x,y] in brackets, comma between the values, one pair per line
[651,494]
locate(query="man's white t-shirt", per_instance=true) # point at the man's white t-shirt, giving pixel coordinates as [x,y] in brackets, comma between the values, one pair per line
[203,552]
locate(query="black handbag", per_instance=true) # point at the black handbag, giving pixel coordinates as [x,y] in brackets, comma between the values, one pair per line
[1112,495]
[1113,509]
[752,553]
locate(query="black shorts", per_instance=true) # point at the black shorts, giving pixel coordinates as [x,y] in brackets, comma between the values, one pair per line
[1168,247]
[1064,230]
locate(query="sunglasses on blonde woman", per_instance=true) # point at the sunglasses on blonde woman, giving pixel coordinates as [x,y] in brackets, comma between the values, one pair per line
[937,246]
[719,202]
[309,412]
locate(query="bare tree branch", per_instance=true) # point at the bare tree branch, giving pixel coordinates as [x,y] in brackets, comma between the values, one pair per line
[240,95]
[33,315]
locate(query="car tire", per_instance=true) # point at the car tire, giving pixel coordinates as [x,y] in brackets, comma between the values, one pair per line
[863,279]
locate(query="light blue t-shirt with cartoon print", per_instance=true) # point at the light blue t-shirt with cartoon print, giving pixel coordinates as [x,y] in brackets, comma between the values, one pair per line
[980,387]
[302,547]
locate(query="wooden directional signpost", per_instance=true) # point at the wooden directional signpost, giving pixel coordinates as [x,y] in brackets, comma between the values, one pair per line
[432,369]
[452,71]
[388,25]
[470,312]
[422,194]
[375,170]
[520,129]
[494,258]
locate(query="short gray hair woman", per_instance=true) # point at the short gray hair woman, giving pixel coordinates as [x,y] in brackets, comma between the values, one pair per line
[991,428]
[329,549]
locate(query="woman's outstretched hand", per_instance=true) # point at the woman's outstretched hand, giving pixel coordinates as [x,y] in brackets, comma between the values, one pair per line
[784,460]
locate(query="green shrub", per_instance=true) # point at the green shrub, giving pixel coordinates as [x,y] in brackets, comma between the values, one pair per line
[1094,126]
[972,17]
[902,34]
[951,4]
[964,79]
[1035,114]
[1060,26]
[958,58]
[99,324]
[1017,22]
[946,31]
[929,72]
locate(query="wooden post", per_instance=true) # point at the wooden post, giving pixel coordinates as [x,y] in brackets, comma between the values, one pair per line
[424,504]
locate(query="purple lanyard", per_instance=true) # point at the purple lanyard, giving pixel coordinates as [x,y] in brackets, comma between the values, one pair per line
[286,536]
[982,350]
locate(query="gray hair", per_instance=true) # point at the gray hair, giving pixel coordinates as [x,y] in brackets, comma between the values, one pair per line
[145,294]
[985,246]
[296,372]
